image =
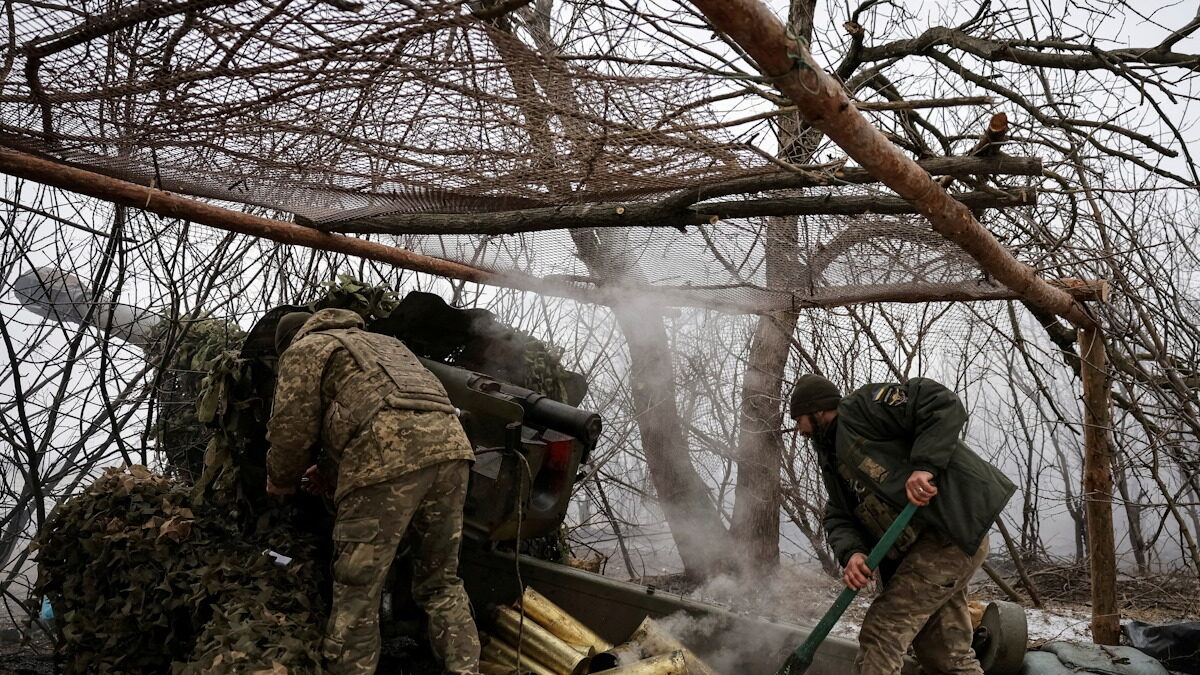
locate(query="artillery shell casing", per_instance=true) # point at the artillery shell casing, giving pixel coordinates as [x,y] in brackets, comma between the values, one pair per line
[655,641]
[499,651]
[663,664]
[490,668]
[538,642]
[611,658]
[556,620]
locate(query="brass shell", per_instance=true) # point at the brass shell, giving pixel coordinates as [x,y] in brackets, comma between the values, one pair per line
[500,652]
[655,641]
[556,620]
[539,643]
[673,663]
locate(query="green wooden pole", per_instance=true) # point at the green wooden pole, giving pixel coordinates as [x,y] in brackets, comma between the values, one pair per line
[802,658]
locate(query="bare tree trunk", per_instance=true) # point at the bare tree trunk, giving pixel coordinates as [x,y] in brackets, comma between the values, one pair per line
[755,526]
[1133,514]
[686,501]
[695,524]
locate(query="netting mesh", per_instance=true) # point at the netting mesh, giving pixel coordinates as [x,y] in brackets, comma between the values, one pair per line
[322,111]
[328,114]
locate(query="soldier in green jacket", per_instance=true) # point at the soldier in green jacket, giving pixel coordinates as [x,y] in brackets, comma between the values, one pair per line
[879,447]
[401,461]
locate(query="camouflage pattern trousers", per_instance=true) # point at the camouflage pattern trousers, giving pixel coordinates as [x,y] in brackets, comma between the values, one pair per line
[923,603]
[371,521]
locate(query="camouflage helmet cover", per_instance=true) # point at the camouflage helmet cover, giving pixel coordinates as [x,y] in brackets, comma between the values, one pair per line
[287,328]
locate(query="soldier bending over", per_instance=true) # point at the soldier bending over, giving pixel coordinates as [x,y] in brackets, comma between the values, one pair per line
[402,464]
[879,447]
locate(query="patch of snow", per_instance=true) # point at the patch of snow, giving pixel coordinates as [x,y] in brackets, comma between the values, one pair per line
[848,626]
[1059,624]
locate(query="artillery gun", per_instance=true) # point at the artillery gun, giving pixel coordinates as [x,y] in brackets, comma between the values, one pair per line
[529,447]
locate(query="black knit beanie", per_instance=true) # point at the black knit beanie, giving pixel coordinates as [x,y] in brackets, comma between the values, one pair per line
[814,393]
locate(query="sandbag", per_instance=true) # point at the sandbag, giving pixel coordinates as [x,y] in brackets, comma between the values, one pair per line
[1070,658]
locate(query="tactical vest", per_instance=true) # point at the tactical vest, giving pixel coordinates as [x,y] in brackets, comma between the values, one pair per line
[877,515]
[388,376]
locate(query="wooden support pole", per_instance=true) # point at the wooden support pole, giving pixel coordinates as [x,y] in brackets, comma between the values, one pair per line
[662,213]
[173,206]
[683,208]
[1098,485]
[753,301]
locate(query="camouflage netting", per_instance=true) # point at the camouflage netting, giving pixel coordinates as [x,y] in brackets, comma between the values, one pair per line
[144,579]
[196,351]
[345,119]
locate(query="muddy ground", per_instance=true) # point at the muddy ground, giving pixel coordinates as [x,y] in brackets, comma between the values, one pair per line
[25,650]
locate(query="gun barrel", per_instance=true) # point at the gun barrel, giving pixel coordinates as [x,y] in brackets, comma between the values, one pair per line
[540,410]
[545,411]
[473,391]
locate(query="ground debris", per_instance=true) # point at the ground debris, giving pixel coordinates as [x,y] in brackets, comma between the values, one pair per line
[143,579]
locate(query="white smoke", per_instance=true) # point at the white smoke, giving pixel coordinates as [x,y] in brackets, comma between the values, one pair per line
[729,645]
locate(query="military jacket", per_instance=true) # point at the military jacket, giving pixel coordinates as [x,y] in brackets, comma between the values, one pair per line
[884,432]
[364,400]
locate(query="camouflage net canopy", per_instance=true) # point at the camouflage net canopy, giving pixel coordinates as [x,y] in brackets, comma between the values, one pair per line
[372,119]
[144,577]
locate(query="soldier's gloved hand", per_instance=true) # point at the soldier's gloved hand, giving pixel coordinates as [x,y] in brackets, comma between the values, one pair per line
[857,574]
[279,493]
[920,488]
